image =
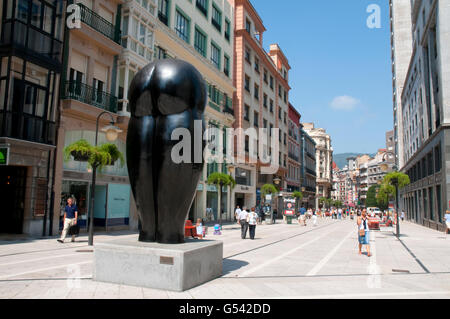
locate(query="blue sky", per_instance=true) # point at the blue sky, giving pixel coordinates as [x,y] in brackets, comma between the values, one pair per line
[341,77]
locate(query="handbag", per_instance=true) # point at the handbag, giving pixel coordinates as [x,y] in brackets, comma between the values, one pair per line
[74,230]
[362,232]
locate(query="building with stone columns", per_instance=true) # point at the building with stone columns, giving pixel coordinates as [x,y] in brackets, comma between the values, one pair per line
[324,160]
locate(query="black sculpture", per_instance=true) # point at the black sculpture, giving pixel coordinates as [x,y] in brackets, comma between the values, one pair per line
[164,95]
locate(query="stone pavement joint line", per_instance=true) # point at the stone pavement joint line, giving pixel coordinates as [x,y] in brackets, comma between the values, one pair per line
[250,271]
[44,269]
[322,263]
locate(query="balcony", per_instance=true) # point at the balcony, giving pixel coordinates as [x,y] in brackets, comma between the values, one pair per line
[27,127]
[100,24]
[88,95]
[32,41]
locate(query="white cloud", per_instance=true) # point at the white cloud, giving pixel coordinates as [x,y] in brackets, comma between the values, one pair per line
[344,103]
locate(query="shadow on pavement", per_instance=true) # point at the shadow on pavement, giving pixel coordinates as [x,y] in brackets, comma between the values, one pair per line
[230,265]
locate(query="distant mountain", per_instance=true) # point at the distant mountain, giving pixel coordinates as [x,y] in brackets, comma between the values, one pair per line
[341,159]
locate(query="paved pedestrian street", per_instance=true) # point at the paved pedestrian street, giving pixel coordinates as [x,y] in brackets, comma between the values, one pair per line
[284,261]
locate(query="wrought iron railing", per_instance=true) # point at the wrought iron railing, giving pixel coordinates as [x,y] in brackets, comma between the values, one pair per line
[89,95]
[100,24]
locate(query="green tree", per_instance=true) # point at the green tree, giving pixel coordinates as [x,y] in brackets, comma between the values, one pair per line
[220,180]
[371,200]
[338,203]
[268,189]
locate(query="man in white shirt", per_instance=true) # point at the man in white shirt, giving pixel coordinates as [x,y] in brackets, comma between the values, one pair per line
[236,213]
[243,221]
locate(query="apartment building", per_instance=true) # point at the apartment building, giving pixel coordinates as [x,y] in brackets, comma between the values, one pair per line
[89,88]
[426,115]
[294,160]
[201,33]
[31,46]
[308,168]
[324,160]
[262,97]
[401,49]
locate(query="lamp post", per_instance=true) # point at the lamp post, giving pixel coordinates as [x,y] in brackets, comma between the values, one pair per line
[385,167]
[112,132]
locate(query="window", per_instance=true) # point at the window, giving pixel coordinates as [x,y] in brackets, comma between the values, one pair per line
[256,65]
[265,100]
[163,11]
[98,91]
[215,55]
[182,26]
[256,93]
[202,5]
[285,96]
[247,83]
[265,77]
[227,29]
[256,119]
[271,106]
[226,66]
[271,82]
[279,91]
[216,19]
[200,42]
[248,25]
[248,55]
[247,112]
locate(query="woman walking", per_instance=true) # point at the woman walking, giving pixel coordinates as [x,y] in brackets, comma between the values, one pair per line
[363,232]
[252,219]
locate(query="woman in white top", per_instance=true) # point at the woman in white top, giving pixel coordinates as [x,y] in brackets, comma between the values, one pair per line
[363,232]
[252,219]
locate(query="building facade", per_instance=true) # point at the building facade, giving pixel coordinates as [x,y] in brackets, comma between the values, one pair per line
[294,167]
[308,168]
[324,160]
[261,100]
[401,49]
[426,115]
[201,33]
[31,48]
[89,88]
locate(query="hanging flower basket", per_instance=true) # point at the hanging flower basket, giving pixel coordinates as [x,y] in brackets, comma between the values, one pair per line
[79,156]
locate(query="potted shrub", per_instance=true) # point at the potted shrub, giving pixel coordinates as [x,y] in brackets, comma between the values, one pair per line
[114,152]
[80,150]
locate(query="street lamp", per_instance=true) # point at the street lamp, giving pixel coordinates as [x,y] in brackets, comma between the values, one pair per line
[112,132]
[385,167]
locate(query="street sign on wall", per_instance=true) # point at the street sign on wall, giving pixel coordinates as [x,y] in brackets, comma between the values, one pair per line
[4,155]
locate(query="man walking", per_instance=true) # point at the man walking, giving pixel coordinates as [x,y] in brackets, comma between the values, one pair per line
[70,219]
[447,221]
[243,221]
[303,215]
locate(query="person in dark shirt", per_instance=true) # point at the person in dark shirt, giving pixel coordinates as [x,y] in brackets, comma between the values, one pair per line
[70,219]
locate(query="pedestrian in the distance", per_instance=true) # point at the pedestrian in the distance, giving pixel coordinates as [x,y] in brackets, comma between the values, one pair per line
[243,221]
[236,214]
[403,215]
[302,216]
[70,219]
[363,232]
[447,221]
[252,219]
[274,216]
[314,218]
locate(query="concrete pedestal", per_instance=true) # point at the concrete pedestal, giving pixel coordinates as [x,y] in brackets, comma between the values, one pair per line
[152,265]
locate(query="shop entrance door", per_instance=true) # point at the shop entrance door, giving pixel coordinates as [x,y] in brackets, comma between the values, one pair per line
[12,197]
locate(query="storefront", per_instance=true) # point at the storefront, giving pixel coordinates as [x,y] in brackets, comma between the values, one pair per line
[112,203]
